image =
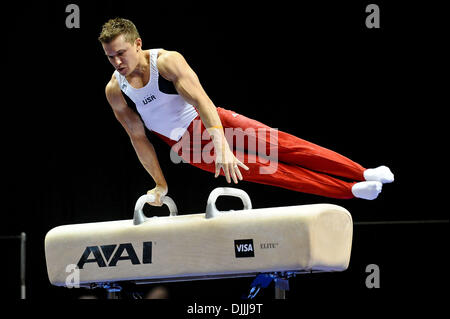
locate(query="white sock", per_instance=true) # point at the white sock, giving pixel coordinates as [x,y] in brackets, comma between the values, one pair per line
[380,174]
[367,190]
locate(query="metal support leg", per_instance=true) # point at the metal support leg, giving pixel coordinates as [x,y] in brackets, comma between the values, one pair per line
[112,295]
[113,290]
[263,280]
[281,285]
[280,293]
[23,238]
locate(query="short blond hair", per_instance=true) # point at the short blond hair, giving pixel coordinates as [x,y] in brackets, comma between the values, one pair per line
[117,26]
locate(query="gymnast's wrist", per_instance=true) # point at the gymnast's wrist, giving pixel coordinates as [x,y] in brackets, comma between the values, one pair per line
[216,132]
[162,187]
[217,135]
[220,142]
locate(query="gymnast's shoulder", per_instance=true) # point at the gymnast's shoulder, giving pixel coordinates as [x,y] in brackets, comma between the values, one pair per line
[112,87]
[166,56]
[112,90]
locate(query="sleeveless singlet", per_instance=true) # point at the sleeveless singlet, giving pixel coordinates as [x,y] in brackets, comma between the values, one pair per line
[166,113]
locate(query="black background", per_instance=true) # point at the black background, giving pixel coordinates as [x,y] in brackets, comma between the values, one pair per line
[311,69]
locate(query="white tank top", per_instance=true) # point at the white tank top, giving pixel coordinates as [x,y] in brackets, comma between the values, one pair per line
[167,114]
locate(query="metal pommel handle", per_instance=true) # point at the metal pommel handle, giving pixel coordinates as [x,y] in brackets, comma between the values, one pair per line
[139,216]
[211,209]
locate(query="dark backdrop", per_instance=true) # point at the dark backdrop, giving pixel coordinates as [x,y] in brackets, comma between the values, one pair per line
[311,69]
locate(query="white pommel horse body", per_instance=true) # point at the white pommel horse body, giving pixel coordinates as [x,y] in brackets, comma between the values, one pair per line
[280,241]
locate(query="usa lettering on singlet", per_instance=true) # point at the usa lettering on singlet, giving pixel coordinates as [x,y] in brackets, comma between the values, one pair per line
[161,108]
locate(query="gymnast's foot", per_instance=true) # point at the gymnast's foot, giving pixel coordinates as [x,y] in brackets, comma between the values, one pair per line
[380,174]
[367,190]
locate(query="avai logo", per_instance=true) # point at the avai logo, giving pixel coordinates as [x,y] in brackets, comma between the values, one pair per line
[112,255]
[244,248]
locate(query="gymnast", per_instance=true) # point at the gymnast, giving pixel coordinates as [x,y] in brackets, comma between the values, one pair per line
[173,105]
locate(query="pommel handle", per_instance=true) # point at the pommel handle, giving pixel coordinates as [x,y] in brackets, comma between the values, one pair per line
[211,209]
[139,216]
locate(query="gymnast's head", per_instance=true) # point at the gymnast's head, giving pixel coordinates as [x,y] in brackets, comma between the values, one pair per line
[122,44]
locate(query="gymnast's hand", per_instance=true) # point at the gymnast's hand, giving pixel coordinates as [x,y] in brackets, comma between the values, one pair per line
[226,160]
[159,192]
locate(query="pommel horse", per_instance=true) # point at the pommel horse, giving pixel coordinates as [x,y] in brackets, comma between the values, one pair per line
[272,244]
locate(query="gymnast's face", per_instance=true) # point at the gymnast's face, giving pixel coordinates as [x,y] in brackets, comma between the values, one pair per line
[123,55]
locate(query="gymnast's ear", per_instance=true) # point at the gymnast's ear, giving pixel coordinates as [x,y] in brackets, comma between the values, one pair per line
[138,43]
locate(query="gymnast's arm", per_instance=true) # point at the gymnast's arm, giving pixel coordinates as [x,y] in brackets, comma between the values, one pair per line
[134,127]
[173,67]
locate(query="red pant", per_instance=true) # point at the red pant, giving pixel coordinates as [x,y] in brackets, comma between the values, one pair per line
[289,162]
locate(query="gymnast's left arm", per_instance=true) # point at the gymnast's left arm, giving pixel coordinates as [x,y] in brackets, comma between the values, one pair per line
[173,67]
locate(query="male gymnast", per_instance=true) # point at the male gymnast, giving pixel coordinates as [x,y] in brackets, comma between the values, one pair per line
[173,105]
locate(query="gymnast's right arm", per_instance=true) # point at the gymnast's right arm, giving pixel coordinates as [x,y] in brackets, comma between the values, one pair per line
[135,129]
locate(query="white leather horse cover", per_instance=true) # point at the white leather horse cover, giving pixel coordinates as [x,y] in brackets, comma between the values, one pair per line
[237,243]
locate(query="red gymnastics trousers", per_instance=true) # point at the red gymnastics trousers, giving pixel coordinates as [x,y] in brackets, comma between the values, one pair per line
[279,159]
